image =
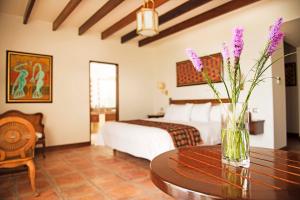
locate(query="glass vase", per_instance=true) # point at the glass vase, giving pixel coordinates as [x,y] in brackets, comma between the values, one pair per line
[237,176]
[235,136]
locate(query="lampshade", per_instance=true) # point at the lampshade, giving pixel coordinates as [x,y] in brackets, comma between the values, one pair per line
[147,20]
[162,87]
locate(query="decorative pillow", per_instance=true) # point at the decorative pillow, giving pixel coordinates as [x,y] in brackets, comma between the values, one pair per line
[178,112]
[215,113]
[38,135]
[200,112]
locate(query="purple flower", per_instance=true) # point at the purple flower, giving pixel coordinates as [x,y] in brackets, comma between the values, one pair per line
[195,59]
[237,42]
[225,52]
[275,36]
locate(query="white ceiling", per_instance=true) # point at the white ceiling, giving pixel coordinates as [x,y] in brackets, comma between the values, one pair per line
[48,10]
[291,31]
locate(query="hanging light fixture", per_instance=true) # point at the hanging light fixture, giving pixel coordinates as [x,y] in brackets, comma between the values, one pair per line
[147,19]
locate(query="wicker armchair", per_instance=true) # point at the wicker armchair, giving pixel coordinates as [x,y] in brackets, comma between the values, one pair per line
[17,143]
[36,120]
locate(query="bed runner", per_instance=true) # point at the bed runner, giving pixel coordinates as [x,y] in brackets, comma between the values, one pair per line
[182,135]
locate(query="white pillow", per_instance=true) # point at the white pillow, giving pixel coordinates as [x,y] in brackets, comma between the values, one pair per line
[215,113]
[200,112]
[178,112]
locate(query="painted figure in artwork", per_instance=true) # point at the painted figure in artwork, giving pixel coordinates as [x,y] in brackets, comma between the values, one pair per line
[20,81]
[39,79]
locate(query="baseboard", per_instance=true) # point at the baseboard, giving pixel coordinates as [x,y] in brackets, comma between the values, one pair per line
[67,146]
[285,148]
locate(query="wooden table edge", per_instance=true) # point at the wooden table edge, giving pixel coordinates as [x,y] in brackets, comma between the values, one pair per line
[166,186]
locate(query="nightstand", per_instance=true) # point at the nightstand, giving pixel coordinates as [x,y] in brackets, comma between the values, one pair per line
[257,127]
[155,115]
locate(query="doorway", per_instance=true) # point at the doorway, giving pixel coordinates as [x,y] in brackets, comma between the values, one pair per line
[292,82]
[292,97]
[104,96]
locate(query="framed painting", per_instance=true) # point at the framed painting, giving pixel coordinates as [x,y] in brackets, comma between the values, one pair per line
[187,75]
[290,74]
[28,77]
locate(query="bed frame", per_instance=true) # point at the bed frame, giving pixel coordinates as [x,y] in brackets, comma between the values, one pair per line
[197,101]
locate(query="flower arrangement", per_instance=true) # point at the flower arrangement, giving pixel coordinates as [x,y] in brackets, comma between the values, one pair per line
[235,138]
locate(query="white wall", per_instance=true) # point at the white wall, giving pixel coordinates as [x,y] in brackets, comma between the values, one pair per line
[279,101]
[207,37]
[67,118]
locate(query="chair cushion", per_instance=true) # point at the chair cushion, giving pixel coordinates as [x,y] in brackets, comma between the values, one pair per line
[38,135]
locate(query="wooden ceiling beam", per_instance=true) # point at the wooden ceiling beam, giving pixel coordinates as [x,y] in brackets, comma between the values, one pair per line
[210,14]
[28,10]
[131,17]
[104,10]
[175,12]
[68,9]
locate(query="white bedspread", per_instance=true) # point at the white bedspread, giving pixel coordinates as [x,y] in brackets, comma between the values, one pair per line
[148,142]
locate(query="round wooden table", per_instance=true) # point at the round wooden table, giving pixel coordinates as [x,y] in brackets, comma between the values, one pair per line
[197,172]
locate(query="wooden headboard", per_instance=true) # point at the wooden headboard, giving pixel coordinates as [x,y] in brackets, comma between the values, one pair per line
[197,101]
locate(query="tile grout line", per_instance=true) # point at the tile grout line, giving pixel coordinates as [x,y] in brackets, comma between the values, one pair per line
[52,183]
[132,182]
[89,181]
[133,173]
[116,174]
[15,192]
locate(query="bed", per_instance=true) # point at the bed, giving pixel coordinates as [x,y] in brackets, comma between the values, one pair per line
[148,142]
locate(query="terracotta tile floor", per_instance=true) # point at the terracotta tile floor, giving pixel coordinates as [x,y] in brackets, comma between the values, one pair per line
[84,173]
